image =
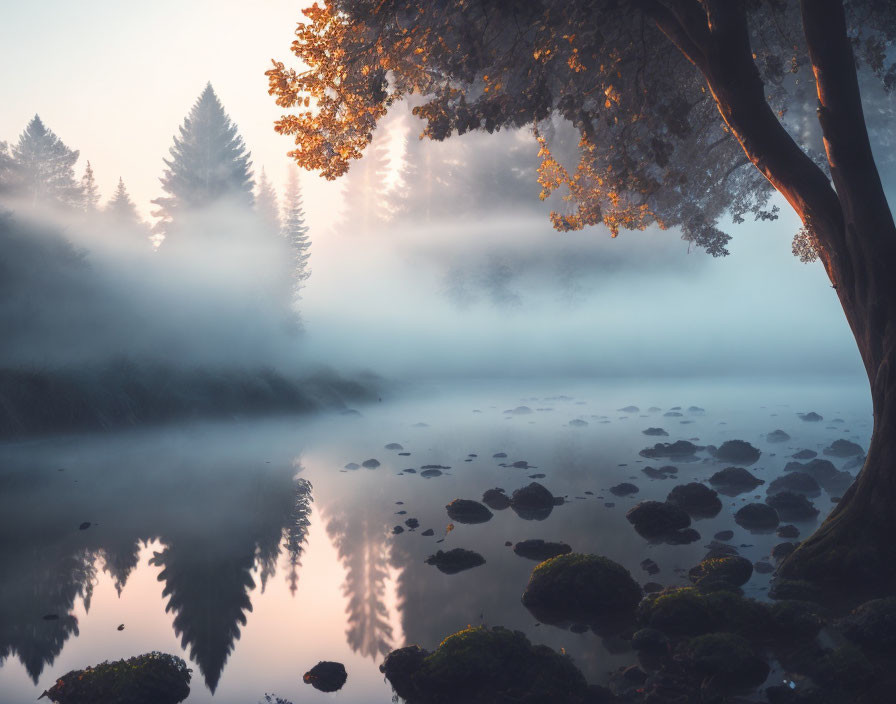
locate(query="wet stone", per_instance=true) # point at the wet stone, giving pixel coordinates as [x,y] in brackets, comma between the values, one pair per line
[777,436]
[394,446]
[804,455]
[787,531]
[696,499]
[429,473]
[371,463]
[737,452]
[798,482]
[655,518]
[758,517]
[496,499]
[843,448]
[792,506]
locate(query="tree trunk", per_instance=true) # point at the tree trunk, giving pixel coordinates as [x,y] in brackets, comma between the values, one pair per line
[854,551]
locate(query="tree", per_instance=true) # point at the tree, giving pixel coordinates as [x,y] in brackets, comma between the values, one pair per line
[7,169]
[121,208]
[365,205]
[266,204]
[687,111]
[90,193]
[44,167]
[209,164]
[295,231]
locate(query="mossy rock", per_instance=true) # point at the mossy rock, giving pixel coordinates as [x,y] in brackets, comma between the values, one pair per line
[153,678]
[698,500]
[845,668]
[455,560]
[872,625]
[578,588]
[797,589]
[726,656]
[796,620]
[479,665]
[688,612]
[714,573]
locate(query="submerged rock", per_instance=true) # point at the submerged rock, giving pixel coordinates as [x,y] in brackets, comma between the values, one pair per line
[578,423]
[154,678]
[537,549]
[843,448]
[532,502]
[661,473]
[696,499]
[724,535]
[624,489]
[655,431]
[757,517]
[629,409]
[788,531]
[326,676]
[468,511]
[519,411]
[456,560]
[578,588]
[352,465]
[792,506]
[484,666]
[737,452]
[653,519]
[496,499]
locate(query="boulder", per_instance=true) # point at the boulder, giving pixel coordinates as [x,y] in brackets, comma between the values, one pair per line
[655,431]
[697,500]
[797,482]
[792,506]
[804,455]
[843,448]
[735,480]
[810,417]
[737,452]
[468,511]
[656,518]
[496,499]
[777,436]
[680,449]
[721,572]
[757,517]
[371,463]
[532,502]
[872,625]
[578,588]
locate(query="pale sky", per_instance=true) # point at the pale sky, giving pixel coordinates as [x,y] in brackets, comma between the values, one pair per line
[115,80]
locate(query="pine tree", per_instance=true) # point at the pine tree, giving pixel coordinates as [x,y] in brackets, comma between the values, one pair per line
[209,164]
[366,205]
[90,193]
[295,231]
[44,167]
[7,169]
[120,207]
[266,206]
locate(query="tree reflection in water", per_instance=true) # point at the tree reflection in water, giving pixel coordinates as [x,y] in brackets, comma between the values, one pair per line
[217,519]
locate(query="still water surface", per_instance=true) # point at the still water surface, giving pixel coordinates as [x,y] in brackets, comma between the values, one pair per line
[247,548]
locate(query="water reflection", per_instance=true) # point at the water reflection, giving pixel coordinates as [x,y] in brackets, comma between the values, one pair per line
[359,532]
[217,521]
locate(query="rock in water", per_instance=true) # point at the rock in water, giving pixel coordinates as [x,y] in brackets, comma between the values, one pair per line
[737,452]
[654,519]
[532,502]
[733,571]
[655,431]
[680,449]
[578,588]
[777,436]
[483,666]
[496,499]
[154,678]
[393,446]
[804,455]
[810,417]
[792,506]
[456,560]
[798,482]
[735,480]
[624,489]
[757,517]
[540,550]
[843,448]
[468,511]
[696,499]
[326,676]
[371,463]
